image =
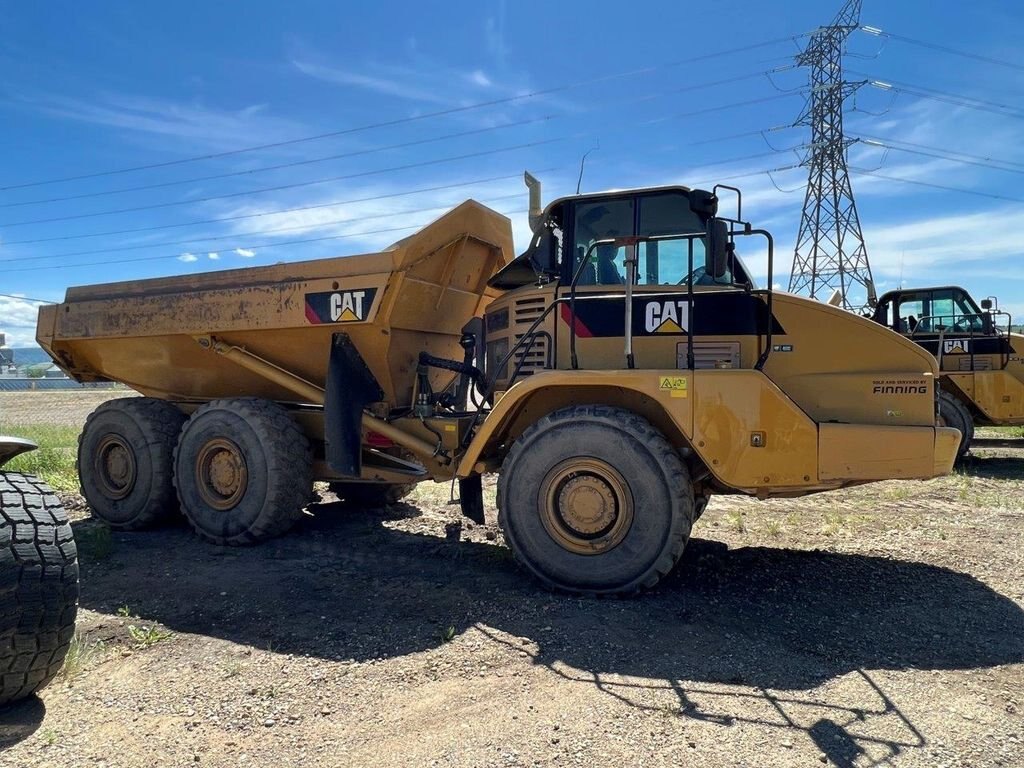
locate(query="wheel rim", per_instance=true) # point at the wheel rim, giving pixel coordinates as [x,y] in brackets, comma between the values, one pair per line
[586,506]
[221,473]
[114,465]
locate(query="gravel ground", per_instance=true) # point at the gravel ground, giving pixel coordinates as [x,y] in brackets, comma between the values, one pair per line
[877,626]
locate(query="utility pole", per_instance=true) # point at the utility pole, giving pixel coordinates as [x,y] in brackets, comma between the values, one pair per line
[830,253]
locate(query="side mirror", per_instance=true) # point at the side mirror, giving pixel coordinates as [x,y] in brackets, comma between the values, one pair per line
[987,327]
[719,248]
[986,304]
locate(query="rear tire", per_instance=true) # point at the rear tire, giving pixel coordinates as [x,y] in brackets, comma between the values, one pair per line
[594,500]
[125,461]
[243,470]
[371,495]
[954,413]
[38,585]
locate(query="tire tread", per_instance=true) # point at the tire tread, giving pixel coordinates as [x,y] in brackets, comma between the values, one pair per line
[38,585]
[665,455]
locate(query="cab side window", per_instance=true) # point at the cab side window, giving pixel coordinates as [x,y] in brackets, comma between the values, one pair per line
[667,262]
[601,221]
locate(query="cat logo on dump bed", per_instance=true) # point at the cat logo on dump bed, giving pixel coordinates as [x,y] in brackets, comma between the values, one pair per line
[340,306]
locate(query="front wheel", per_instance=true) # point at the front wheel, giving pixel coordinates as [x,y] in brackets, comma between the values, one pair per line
[953,413]
[595,500]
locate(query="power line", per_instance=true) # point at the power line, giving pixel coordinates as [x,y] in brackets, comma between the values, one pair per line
[385,148]
[281,166]
[248,246]
[943,187]
[295,209]
[408,166]
[280,187]
[415,118]
[333,203]
[942,48]
[26,298]
[235,235]
[938,154]
[994,107]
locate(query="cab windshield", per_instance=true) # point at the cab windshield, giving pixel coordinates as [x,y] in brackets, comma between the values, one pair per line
[661,263]
[951,309]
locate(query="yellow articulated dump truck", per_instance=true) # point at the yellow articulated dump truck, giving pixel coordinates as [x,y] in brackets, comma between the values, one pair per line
[981,362]
[616,375]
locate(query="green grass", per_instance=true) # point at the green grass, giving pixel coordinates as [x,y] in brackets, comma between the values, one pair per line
[54,462]
[734,519]
[143,637]
[81,653]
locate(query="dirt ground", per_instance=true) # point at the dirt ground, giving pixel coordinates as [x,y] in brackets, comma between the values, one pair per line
[878,626]
[60,408]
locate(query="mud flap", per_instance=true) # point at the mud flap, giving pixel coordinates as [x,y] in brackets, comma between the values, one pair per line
[471,498]
[351,386]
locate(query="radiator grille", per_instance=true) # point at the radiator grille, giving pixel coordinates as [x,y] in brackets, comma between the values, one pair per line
[533,356]
[980,363]
[708,354]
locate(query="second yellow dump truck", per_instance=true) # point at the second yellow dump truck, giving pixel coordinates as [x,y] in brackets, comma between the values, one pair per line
[980,360]
[616,375]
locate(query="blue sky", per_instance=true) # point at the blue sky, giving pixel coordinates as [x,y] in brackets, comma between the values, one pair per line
[90,88]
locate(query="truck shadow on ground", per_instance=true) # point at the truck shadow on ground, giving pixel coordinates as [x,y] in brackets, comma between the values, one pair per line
[20,720]
[350,585]
[993,467]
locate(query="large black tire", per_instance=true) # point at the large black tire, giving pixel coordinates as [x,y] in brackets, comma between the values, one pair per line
[371,495]
[243,470]
[594,500]
[953,413]
[38,585]
[126,460]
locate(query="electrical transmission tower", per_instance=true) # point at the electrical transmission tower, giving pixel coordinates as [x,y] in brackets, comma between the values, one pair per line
[830,253]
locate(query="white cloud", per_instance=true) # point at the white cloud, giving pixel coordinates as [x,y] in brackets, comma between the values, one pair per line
[188,257]
[245,253]
[479,77]
[192,122]
[385,85]
[18,320]
[213,255]
[372,224]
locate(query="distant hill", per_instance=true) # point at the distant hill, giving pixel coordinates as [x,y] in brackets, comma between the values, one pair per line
[29,356]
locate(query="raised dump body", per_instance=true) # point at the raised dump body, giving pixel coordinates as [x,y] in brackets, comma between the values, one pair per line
[630,372]
[156,335]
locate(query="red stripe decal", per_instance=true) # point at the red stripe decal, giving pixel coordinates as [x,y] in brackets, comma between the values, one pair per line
[311,315]
[581,330]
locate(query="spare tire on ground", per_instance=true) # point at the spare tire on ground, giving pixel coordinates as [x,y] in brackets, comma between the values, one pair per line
[38,585]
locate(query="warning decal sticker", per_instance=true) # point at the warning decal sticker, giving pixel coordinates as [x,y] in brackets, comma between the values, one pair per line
[674,385]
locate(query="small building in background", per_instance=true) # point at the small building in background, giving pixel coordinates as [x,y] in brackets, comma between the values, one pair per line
[7,366]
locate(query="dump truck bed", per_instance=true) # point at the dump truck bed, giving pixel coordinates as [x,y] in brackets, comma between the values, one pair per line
[153,335]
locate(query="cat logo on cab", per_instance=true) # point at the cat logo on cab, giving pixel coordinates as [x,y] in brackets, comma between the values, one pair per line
[667,316]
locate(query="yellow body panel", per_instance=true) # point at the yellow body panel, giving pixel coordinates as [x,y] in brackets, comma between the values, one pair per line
[143,333]
[718,418]
[732,408]
[999,395]
[871,452]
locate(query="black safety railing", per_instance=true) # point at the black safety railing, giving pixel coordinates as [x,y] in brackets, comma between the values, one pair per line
[965,327]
